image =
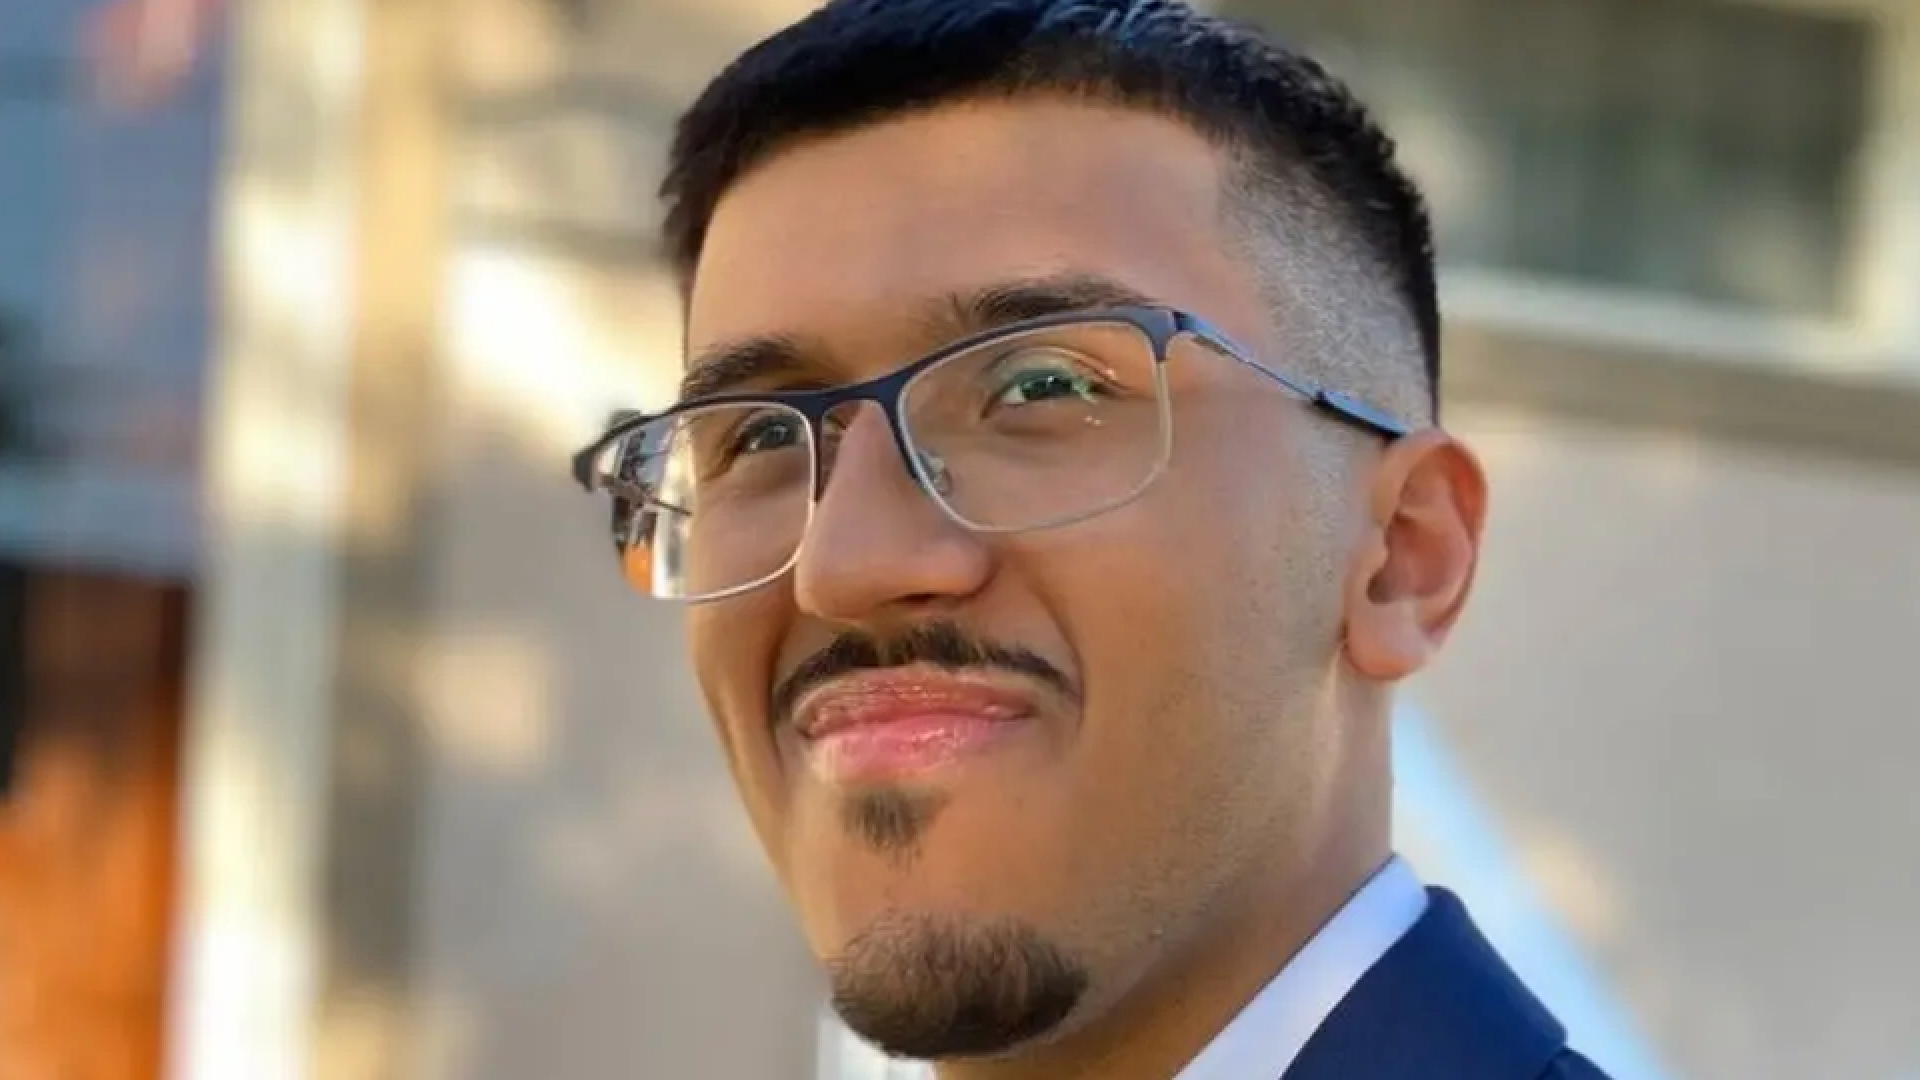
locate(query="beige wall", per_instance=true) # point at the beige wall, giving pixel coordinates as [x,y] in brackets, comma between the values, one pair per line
[456,811]
[1687,687]
[588,900]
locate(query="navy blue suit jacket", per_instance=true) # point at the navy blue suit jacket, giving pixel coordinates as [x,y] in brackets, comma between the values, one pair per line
[1441,1005]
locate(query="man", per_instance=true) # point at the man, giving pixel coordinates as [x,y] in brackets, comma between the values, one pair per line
[1057,493]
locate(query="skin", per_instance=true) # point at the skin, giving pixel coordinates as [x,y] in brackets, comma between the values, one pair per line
[1219,784]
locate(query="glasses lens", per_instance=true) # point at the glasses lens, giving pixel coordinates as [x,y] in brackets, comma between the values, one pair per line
[709,501]
[1043,427]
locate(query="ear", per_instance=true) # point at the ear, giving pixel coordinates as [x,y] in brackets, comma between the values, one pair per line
[1414,560]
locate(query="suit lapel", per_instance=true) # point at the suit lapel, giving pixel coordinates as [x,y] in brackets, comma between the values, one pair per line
[1440,1003]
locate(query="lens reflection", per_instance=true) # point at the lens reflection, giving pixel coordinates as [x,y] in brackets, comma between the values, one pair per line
[711,500]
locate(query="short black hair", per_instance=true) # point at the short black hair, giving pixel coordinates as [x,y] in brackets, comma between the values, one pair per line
[853,63]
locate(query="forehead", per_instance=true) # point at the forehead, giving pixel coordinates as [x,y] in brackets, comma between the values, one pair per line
[857,235]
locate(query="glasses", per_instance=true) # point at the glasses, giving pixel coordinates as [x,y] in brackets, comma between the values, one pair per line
[1041,424]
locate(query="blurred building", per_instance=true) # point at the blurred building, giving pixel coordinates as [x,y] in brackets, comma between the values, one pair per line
[338,750]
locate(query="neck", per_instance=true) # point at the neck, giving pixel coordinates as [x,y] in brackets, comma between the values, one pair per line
[1176,1010]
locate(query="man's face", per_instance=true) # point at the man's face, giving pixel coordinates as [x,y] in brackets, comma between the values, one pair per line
[1142,725]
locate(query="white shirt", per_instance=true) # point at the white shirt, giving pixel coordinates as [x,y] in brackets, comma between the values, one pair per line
[1262,1041]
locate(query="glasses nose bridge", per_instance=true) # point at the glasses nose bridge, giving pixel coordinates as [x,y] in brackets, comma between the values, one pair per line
[886,396]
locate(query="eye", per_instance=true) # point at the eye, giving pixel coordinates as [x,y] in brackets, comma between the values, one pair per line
[1038,375]
[767,431]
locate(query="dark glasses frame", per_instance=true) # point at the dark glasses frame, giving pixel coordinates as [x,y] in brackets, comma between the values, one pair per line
[1162,326]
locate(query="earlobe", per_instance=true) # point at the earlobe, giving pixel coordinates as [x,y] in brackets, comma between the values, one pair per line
[1414,561]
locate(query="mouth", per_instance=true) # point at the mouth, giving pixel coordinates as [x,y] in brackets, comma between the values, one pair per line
[898,725]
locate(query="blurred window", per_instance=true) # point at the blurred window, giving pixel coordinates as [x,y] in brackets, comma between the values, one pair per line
[1695,148]
[110,117]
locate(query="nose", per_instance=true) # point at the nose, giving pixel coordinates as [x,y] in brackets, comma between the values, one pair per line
[878,545]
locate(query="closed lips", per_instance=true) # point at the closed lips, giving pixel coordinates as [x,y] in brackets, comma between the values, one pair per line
[881,698]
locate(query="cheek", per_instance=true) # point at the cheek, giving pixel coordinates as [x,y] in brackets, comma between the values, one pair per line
[733,645]
[1150,595]
[1153,604]
[1169,788]
[1202,630]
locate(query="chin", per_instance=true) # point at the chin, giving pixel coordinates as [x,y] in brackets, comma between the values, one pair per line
[938,987]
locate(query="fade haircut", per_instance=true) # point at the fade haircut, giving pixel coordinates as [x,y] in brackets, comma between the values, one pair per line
[1311,168]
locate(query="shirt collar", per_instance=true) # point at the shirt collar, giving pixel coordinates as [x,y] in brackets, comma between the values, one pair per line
[1262,1041]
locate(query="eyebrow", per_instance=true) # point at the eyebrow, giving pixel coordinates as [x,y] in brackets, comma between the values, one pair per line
[1002,303]
[729,367]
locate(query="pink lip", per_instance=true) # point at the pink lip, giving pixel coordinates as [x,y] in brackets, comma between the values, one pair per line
[897,725]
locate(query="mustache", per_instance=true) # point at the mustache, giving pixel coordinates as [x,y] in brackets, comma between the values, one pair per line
[940,644]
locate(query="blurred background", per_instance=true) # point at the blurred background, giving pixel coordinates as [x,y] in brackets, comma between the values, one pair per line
[330,745]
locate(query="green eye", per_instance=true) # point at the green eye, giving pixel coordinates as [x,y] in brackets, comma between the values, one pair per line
[1035,377]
